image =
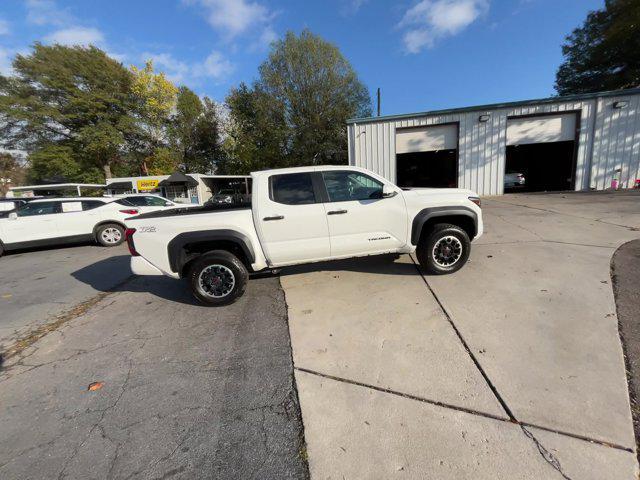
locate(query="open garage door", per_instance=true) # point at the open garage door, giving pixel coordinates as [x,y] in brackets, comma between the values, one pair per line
[540,153]
[427,156]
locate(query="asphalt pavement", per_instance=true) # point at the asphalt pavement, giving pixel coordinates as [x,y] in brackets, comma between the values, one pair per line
[38,285]
[625,276]
[131,379]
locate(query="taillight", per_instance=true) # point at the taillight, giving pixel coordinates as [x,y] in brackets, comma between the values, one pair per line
[475,200]
[129,211]
[128,235]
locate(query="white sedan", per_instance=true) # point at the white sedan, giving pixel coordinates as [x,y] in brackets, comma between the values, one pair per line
[52,221]
[147,202]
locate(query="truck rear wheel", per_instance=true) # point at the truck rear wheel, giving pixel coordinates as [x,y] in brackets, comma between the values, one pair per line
[444,249]
[217,278]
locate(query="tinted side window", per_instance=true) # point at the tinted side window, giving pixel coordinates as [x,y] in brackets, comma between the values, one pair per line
[124,201]
[292,189]
[38,208]
[344,186]
[155,202]
[91,204]
[137,201]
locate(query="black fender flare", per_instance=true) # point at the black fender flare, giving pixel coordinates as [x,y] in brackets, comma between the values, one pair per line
[426,214]
[176,250]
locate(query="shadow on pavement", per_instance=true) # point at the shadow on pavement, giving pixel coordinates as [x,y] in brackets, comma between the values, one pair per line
[379,264]
[63,246]
[100,276]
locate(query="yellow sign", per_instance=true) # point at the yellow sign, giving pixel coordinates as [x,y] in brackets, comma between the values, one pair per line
[144,185]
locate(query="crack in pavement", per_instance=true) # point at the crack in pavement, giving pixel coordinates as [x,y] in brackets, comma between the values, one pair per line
[546,454]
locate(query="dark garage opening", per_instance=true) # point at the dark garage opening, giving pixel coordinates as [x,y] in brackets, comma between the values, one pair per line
[436,169]
[546,166]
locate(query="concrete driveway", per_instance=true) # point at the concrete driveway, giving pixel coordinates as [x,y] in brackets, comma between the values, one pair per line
[511,368]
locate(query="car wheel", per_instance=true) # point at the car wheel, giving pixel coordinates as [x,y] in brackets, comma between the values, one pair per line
[110,235]
[444,249]
[218,278]
[1,249]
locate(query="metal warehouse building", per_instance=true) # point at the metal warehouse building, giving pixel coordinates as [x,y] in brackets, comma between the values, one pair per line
[576,142]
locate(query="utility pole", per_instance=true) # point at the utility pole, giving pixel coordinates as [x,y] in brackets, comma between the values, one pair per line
[378,101]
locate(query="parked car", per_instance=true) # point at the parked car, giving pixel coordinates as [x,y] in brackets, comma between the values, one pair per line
[303,215]
[147,202]
[513,180]
[227,196]
[51,221]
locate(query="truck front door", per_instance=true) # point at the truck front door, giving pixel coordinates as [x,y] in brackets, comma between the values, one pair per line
[361,221]
[291,219]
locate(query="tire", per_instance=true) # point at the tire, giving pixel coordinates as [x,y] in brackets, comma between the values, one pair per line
[110,234]
[217,278]
[1,249]
[444,249]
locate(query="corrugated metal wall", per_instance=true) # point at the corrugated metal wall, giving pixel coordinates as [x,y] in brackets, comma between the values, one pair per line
[613,135]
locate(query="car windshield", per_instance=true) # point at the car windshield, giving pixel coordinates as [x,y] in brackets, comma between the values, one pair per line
[226,192]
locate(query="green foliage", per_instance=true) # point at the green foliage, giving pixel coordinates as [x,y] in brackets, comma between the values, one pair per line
[12,172]
[60,161]
[195,132]
[76,98]
[163,161]
[82,115]
[295,113]
[256,134]
[603,54]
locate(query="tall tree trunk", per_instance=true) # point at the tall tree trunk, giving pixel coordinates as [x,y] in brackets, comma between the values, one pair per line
[107,170]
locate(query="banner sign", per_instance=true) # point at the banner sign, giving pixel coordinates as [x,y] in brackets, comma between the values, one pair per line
[147,185]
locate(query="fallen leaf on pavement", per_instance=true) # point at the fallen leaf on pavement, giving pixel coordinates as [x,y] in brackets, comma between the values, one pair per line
[95,386]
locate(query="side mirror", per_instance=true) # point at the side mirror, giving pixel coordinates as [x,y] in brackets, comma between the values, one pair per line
[168,204]
[13,216]
[388,191]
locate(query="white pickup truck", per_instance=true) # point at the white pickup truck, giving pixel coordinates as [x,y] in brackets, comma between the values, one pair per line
[303,215]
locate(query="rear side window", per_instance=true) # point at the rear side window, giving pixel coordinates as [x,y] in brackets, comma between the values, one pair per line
[125,202]
[292,189]
[38,208]
[91,204]
[155,202]
[137,201]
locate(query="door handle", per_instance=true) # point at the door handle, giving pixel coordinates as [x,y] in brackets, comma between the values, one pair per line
[337,212]
[276,217]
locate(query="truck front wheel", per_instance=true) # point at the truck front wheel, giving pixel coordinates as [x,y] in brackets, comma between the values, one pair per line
[217,278]
[444,249]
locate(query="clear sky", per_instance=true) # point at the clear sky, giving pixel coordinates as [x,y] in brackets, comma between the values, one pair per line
[423,54]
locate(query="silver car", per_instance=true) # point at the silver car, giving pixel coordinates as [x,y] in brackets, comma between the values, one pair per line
[513,180]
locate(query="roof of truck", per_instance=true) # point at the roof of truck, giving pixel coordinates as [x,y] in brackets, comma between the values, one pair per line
[313,168]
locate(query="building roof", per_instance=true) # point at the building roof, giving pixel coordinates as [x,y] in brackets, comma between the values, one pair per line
[120,185]
[179,178]
[57,186]
[496,106]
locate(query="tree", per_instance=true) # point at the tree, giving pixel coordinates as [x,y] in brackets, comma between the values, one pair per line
[603,54]
[12,172]
[295,113]
[72,101]
[256,132]
[155,97]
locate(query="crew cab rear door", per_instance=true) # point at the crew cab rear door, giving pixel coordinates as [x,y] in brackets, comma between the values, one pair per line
[361,221]
[290,218]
